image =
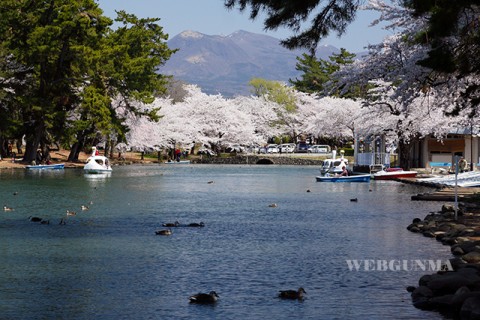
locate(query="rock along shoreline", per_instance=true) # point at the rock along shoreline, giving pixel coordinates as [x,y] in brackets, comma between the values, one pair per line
[454,293]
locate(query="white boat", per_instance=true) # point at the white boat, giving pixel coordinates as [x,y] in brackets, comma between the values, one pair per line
[390,174]
[334,165]
[177,162]
[464,179]
[97,163]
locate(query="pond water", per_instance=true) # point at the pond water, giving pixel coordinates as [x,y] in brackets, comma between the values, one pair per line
[107,262]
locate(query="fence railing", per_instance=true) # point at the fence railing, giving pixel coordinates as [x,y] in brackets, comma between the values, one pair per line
[372,158]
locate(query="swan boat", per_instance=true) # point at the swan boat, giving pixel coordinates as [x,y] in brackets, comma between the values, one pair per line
[97,163]
[334,165]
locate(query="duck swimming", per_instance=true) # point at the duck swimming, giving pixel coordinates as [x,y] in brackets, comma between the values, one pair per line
[5,208]
[292,294]
[165,232]
[196,225]
[171,224]
[204,298]
[71,213]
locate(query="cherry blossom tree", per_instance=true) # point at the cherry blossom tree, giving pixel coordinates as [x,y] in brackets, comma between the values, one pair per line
[217,121]
[262,115]
[208,119]
[329,116]
[400,93]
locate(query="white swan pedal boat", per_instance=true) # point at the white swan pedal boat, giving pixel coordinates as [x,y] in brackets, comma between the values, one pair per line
[97,163]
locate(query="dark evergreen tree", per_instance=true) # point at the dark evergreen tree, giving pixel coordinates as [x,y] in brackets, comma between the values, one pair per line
[65,66]
[457,19]
[317,72]
[324,16]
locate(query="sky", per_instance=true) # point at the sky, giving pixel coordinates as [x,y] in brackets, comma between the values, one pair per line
[210,17]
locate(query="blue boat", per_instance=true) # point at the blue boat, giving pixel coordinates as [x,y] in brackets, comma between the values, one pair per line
[46,166]
[353,178]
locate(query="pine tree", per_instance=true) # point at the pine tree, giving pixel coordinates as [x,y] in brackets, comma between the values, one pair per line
[66,66]
[318,72]
[324,17]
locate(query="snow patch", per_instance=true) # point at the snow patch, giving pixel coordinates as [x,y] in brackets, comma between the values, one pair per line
[191,34]
[196,59]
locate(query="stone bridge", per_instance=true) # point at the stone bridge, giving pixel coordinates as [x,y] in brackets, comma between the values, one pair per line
[257,159]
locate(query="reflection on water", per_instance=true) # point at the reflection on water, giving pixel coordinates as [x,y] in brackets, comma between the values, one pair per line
[97,179]
[107,262]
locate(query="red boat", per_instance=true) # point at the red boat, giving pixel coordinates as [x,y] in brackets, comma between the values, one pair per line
[393,173]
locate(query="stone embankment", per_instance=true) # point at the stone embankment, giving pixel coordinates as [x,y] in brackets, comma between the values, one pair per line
[455,293]
[257,159]
[238,159]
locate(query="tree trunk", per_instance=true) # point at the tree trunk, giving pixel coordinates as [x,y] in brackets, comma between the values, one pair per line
[19,145]
[404,154]
[112,149]
[3,148]
[75,152]
[33,137]
[107,147]
[45,151]
[78,146]
[31,146]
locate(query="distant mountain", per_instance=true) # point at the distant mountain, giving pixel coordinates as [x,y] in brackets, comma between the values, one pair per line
[225,64]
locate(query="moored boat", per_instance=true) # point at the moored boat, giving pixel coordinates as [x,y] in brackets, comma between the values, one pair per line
[46,166]
[464,179]
[178,162]
[390,174]
[334,165]
[97,163]
[352,178]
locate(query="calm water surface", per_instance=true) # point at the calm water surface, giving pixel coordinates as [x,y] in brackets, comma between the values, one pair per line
[107,262]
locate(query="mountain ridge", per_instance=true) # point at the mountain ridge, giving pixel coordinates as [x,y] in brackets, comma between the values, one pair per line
[225,64]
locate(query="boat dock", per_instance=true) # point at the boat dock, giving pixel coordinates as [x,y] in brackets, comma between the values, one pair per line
[443,187]
[443,192]
[448,194]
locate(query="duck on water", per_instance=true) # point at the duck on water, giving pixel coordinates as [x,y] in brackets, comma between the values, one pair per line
[292,294]
[204,298]
[178,224]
